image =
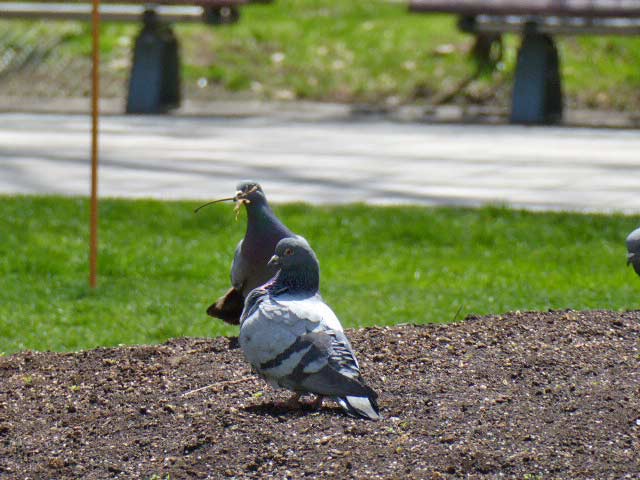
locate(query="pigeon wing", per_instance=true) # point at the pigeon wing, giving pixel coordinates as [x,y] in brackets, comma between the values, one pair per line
[273,329]
[239,268]
[319,358]
[329,366]
[326,366]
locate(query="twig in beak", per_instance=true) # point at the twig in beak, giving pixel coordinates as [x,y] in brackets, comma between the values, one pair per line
[215,201]
[253,189]
[240,197]
[239,203]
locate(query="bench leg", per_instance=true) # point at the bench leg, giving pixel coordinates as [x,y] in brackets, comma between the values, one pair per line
[221,15]
[154,82]
[487,50]
[537,91]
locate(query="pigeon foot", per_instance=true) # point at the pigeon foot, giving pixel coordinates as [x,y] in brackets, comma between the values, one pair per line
[314,404]
[293,403]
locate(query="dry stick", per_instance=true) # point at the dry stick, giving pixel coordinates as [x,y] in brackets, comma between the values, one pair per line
[241,201]
[218,384]
[228,199]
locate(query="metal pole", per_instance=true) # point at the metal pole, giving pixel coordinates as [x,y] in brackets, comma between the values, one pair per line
[95,95]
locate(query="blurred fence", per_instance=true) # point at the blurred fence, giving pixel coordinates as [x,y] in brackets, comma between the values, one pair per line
[47,65]
[33,67]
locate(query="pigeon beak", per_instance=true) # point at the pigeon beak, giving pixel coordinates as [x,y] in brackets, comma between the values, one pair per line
[275,260]
[630,257]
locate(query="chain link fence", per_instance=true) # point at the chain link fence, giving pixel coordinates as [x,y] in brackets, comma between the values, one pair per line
[46,65]
[34,69]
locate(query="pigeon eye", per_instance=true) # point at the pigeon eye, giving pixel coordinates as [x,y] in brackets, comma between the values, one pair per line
[288,252]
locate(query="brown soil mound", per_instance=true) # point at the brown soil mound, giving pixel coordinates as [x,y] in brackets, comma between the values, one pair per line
[531,395]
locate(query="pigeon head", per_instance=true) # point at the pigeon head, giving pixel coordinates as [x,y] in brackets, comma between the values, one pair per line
[298,265]
[249,192]
[633,247]
[294,252]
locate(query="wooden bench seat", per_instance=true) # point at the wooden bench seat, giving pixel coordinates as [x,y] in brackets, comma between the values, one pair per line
[537,92]
[560,8]
[128,12]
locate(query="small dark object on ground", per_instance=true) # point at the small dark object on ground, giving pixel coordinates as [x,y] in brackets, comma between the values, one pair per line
[539,395]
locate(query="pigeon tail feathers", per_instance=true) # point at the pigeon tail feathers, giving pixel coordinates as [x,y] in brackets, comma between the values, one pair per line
[363,407]
[228,308]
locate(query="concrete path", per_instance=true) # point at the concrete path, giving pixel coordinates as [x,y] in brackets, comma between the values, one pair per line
[327,160]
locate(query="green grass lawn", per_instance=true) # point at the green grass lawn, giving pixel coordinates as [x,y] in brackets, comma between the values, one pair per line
[161,265]
[349,51]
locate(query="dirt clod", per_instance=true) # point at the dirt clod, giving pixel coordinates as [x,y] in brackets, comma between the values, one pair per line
[523,395]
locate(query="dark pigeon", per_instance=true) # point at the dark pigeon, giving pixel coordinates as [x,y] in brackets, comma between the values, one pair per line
[249,268]
[633,247]
[295,341]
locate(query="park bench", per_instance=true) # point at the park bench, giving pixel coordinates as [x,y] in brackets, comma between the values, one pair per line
[537,91]
[154,80]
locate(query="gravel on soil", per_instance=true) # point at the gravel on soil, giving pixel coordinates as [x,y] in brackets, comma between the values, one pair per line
[533,395]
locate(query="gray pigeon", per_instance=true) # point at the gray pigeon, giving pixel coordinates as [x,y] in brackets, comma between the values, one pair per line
[295,341]
[249,268]
[633,246]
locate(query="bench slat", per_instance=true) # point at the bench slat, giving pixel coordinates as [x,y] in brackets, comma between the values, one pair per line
[565,8]
[82,12]
[203,3]
[554,25]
